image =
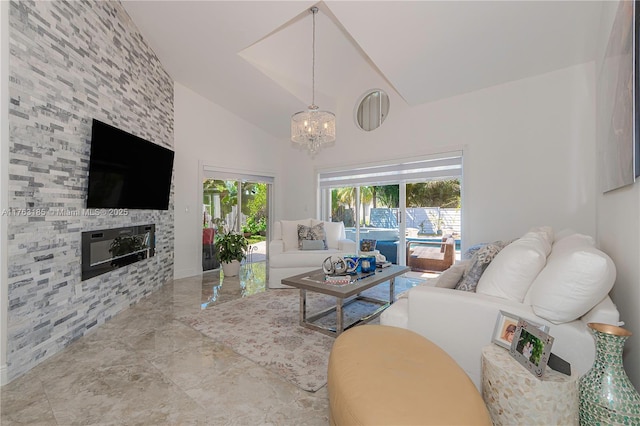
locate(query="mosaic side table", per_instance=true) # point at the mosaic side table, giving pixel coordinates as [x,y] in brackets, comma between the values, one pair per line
[515,396]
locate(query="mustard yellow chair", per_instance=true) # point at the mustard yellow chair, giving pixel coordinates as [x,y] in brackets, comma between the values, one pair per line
[381,375]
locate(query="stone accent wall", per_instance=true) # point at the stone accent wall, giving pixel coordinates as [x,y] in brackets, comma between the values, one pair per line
[70,62]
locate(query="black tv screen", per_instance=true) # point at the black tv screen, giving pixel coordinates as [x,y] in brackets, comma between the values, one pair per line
[126,171]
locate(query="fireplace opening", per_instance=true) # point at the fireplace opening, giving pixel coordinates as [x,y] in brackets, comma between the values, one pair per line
[108,249]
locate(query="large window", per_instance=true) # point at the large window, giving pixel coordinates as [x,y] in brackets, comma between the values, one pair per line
[413,201]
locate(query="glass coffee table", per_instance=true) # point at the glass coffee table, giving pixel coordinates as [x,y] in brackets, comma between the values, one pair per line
[345,294]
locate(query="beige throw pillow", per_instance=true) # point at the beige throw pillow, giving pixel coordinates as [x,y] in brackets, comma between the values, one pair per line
[450,277]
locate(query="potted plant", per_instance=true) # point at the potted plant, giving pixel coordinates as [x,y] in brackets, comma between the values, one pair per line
[230,249]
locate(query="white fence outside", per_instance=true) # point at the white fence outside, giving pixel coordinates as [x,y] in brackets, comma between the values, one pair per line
[424,219]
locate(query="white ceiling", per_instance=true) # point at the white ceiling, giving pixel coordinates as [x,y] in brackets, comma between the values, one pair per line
[254,57]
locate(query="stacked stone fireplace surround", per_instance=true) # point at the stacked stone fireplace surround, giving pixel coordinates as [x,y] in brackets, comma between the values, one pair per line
[70,62]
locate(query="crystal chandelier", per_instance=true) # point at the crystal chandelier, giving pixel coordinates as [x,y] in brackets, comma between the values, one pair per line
[313,128]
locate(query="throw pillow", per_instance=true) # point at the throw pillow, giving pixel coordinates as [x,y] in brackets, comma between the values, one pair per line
[313,245]
[468,254]
[315,232]
[334,232]
[478,263]
[511,273]
[450,277]
[572,283]
[367,245]
[290,232]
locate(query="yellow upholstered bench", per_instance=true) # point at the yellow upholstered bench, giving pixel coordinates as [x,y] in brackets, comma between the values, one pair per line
[381,375]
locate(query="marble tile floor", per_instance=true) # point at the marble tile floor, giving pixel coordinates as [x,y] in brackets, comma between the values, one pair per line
[145,367]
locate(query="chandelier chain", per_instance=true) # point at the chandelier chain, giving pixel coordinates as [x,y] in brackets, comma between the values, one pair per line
[313,128]
[314,10]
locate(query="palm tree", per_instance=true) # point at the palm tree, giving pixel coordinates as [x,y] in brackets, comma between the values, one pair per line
[441,193]
[366,196]
[388,195]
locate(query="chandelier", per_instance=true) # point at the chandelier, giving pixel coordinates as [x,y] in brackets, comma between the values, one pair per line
[313,128]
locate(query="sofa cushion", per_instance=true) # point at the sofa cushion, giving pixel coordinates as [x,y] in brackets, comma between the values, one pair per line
[514,268]
[290,232]
[477,264]
[450,277]
[565,241]
[315,232]
[334,232]
[572,241]
[313,245]
[301,258]
[575,279]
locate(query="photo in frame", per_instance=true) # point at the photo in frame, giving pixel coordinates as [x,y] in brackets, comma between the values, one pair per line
[531,347]
[505,329]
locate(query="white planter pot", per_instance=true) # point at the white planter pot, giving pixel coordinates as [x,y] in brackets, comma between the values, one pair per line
[231,269]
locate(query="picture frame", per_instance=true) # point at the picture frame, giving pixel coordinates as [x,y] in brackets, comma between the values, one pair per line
[531,347]
[505,329]
[618,116]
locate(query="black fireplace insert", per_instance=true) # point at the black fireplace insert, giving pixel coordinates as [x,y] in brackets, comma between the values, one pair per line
[108,249]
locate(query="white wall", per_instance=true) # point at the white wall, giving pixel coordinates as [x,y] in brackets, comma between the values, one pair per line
[618,233]
[207,134]
[529,151]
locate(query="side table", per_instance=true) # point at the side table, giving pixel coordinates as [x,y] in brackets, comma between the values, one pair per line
[515,396]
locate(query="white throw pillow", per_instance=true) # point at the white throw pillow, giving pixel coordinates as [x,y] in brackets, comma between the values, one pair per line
[333,232]
[564,241]
[574,280]
[546,232]
[511,273]
[290,232]
[573,241]
[450,277]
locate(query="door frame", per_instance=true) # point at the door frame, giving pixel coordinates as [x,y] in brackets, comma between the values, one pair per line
[205,171]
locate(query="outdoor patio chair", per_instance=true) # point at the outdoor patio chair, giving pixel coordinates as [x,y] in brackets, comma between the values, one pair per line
[430,256]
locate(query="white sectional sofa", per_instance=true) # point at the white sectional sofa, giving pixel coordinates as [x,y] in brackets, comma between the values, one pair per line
[287,259]
[562,283]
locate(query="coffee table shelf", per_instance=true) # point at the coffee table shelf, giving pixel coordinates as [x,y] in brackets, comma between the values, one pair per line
[345,294]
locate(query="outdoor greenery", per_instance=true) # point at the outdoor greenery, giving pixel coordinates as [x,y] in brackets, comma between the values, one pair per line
[437,193]
[230,246]
[253,202]
[255,227]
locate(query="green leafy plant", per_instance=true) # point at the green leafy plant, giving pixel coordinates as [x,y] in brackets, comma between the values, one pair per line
[230,246]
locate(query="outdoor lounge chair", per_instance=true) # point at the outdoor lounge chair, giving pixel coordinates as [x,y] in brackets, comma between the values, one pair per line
[427,256]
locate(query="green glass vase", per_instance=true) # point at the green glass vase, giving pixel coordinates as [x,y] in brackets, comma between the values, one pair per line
[607,396]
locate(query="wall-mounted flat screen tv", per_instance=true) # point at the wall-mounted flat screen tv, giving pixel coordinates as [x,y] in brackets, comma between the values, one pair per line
[126,171]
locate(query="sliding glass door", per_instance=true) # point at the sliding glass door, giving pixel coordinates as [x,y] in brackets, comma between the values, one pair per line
[397,205]
[240,204]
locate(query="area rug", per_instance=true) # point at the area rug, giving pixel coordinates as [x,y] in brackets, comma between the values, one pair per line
[265,328]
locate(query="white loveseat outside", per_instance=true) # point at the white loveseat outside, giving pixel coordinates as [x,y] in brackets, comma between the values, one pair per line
[567,289]
[286,259]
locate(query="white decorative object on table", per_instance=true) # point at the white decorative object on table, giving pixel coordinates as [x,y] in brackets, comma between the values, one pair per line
[514,396]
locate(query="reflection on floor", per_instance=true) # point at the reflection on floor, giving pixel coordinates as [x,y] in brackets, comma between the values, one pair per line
[145,367]
[216,288]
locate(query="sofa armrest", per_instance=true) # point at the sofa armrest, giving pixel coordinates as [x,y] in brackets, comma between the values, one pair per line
[462,323]
[604,312]
[276,247]
[347,246]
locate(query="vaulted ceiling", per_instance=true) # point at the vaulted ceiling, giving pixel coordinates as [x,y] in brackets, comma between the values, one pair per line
[254,57]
